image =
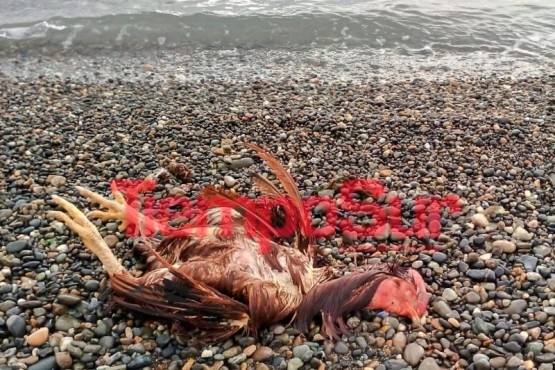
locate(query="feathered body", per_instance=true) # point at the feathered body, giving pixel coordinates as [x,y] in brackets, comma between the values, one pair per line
[220,277]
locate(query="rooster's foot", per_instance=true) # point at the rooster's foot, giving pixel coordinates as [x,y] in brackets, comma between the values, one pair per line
[78,222]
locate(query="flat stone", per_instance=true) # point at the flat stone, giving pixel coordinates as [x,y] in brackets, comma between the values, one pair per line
[16,246]
[5,213]
[241,163]
[240,358]
[69,299]
[546,358]
[529,262]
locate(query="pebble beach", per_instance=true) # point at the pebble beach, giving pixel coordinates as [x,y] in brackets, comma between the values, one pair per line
[488,139]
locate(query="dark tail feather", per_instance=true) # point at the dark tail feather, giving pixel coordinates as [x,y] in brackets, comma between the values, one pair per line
[176,296]
[176,299]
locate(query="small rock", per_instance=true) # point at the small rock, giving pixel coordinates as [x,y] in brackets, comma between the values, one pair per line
[111,240]
[303,352]
[57,181]
[480,220]
[16,246]
[520,234]
[262,353]
[413,354]
[69,299]
[498,362]
[503,246]
[207,353]
[229,181]
[517,307]
[400,340]
[139,362]
[294,364]
[472,297]
[441,308]
[341,348]
[240,358]
[481,362]
[66,322]
[47,363]
[385,173]
[64,360]
[16,325]
[514,362]
[241,163]
[450,295]
[38,338]
[428,364]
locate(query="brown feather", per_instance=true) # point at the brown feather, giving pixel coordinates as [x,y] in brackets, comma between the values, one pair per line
[281,173]
[303,240]
[266,186]
[219,196]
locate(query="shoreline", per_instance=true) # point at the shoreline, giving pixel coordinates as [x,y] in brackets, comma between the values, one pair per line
[487,140]
[333,65]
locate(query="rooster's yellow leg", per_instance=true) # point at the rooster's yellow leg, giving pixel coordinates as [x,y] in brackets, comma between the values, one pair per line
[118,209]
[78,222]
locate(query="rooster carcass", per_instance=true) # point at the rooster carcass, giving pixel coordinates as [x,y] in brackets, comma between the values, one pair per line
[222,284]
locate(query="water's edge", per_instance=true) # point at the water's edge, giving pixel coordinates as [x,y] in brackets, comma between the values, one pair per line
[383,31]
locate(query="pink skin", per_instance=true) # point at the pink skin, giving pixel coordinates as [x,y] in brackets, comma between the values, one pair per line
[396,295]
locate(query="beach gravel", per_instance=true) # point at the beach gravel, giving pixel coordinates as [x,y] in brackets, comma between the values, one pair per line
[487,140]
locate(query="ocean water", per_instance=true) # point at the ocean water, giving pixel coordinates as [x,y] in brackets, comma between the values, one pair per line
[474,32]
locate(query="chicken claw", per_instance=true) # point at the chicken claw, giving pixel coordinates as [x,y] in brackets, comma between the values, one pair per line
[119,209]
[116,208]
[80,224]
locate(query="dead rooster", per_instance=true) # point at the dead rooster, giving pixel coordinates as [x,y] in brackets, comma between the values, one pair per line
[221,285]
